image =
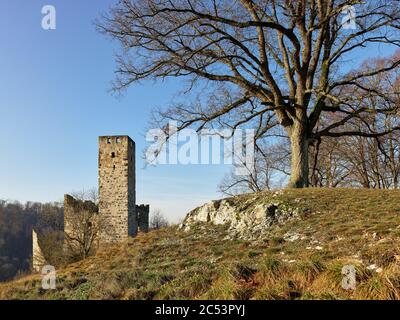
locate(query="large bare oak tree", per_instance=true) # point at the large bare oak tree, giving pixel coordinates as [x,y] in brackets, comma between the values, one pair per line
[261,63]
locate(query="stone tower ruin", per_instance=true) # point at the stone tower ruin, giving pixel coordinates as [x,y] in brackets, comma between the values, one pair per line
[117,188]
[116,216]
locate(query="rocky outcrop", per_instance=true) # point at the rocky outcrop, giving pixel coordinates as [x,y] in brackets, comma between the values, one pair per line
[246,219]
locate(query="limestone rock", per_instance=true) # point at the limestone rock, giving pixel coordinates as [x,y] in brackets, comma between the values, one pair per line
[245,220]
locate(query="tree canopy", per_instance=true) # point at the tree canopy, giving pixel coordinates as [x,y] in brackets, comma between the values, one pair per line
[280,66]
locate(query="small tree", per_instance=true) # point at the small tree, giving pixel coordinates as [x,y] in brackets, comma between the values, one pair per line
[158,220]
[51,246]
[49,227]
[82,225]
[271,165]
[92,194]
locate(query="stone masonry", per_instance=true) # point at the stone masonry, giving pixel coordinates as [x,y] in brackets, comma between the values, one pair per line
[38,260]
[79,217]
[117,188]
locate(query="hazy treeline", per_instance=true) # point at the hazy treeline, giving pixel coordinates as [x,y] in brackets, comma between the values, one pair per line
[16,223]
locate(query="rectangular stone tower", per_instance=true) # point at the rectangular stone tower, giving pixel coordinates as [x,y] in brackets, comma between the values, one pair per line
[117,191]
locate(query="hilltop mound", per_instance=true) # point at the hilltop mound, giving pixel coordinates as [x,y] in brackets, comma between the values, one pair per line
[298,251]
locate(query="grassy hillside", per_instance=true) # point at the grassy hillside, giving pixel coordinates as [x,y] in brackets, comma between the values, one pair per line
[298,260]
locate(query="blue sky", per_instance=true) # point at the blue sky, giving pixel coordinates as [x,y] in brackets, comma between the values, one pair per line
[55,101]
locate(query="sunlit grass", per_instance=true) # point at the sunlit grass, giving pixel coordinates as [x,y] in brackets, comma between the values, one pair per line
[341,227]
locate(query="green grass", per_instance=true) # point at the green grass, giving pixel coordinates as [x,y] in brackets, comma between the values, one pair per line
[340,227]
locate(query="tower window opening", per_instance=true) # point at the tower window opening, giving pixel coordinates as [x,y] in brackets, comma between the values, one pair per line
[112,154]
[108,140]
[118,140]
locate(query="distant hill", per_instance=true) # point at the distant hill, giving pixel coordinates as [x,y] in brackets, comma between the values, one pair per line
[16,223]
[298,257]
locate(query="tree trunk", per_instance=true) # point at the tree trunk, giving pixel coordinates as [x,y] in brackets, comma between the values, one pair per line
[299,163]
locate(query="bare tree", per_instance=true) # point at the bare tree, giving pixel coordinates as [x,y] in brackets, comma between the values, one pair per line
[49,227]
[328,163]
[82,225]
[270,165]
[51,246]
[157,220]
[359,160]
[92,194]
[260,63]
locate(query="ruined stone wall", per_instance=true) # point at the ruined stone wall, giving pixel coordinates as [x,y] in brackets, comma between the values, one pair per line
[74,207]
[80,219]
[117,188]
[38,260]
[143,217]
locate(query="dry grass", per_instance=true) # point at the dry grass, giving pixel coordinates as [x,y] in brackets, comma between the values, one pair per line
[340,227]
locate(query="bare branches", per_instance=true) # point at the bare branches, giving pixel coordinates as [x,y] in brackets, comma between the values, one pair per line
[360,161]
[233,43]
[285,57]
[82,224]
